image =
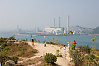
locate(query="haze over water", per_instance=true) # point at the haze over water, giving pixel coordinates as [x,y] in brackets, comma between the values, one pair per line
[29,14]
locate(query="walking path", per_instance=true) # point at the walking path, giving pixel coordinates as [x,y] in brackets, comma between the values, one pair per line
[62,61]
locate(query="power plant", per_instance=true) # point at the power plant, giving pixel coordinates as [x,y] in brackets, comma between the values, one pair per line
[57,30]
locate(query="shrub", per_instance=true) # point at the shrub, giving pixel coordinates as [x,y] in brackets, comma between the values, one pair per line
[57,51]
[77,59]
[12,38]
[3,46]
[51,42]
[3,59]
[44,41]
[1,40]
[15,59]
[50,58]
[72,46]
[59,55]
[85,49]
[47,42]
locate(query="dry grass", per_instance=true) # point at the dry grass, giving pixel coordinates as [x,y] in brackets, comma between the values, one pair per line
[20,50]
[39,61]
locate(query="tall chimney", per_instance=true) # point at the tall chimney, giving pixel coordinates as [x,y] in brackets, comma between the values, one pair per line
[54,22]
[67,23]
[59,21]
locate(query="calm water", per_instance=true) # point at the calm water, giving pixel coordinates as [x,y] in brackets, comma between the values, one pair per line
[80,39]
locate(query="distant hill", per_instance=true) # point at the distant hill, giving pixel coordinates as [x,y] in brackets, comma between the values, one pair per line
[81,30]
[96,30]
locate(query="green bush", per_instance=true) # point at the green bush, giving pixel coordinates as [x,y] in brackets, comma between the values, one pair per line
[59,55]
[72,46]
[50,58]
[85,49]
[12,38]
[57,51]
[3,46]
[3,59]
[44,41]
[51,42]
[15,59]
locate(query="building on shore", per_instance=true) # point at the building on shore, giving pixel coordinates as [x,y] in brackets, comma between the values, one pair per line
[54,30]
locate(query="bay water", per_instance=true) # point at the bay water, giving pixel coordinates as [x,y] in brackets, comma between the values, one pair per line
[80,39]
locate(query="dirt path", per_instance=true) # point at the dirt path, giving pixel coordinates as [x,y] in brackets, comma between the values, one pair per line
[62,61]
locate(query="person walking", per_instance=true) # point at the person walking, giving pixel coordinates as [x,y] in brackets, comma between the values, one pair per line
[45,44]
[64,51]
[74,44]
[64,48]
[68,44]
[32,41]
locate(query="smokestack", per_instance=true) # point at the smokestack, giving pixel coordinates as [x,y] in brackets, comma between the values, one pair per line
[59,21]
[54,22]
[67,23]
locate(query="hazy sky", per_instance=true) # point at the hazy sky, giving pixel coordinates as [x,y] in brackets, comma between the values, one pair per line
[29,14]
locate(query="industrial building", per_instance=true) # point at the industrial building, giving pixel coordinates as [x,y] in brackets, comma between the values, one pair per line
[54,30]
[57,30]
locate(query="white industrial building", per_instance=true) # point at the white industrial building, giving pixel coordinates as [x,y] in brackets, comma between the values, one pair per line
[54,30]
[57,30]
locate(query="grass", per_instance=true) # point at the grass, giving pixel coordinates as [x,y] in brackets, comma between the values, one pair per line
[34,61]
[19,50]
[83,55]
[39,61]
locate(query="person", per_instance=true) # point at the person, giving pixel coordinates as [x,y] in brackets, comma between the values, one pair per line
[68,44]
[45,44]
[64,48]
[32,41]
[64,51]
[74,44]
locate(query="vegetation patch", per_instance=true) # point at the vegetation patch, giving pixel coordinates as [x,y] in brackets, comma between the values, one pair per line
[39,61]
[50,58]
[11,50]
[84,56]
[19,50]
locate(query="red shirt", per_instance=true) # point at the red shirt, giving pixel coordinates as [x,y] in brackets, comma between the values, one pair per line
[74,42]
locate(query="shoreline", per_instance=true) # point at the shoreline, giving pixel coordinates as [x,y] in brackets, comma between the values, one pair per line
[93,34]
[25,34]
[49,35]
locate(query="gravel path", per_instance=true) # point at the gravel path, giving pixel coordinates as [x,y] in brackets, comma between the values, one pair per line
[62,61]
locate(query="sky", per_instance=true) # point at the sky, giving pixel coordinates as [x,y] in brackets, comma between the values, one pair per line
[30,14]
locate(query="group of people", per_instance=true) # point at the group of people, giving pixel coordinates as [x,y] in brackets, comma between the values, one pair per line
[69,45]
[68,48]
[64,45]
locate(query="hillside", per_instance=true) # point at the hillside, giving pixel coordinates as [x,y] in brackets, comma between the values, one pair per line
[81,30]
[15,50]
[96,30]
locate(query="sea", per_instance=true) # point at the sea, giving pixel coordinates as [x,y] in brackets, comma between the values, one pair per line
[80,39]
